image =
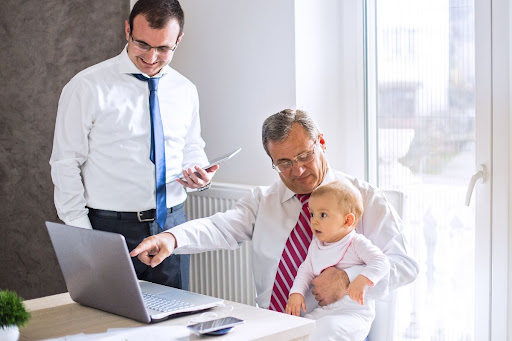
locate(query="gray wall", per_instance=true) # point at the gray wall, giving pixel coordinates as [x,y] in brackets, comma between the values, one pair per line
[43,44]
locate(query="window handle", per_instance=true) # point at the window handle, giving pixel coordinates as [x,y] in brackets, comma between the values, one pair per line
[480,174]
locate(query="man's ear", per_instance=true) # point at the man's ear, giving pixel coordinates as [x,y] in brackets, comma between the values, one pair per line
[127,29]
[350,219]
[322,141]
[179,38]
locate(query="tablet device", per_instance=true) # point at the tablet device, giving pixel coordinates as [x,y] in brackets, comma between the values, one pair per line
[216,327]
[211,163]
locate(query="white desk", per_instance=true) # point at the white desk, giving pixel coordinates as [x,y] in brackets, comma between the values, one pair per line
[57,316]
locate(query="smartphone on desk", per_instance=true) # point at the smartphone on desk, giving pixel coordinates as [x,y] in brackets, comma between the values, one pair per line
[216,327]
[211,163]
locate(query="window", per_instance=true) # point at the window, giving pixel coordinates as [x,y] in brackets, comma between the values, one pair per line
[424,121]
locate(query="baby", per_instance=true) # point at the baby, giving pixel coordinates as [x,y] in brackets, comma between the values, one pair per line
[335,210]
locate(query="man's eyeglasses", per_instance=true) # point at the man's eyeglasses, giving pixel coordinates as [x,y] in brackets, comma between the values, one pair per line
[286,165]
[143,47]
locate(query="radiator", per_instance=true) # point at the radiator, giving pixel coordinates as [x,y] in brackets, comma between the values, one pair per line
[223,274]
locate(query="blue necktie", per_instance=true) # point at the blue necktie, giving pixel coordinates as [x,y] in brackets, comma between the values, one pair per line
[157,152]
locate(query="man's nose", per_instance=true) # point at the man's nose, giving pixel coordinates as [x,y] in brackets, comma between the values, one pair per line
[151,56]
[297,169]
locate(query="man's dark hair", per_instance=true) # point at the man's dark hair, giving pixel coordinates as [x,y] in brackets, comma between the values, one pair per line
[158,13]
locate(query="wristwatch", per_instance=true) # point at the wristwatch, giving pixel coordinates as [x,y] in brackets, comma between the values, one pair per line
[204,187]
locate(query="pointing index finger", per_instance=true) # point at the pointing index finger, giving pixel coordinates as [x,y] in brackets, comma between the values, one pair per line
[145,245]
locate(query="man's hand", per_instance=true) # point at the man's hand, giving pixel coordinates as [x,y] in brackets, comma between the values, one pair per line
[295,303]
[330,286]
[197,178]
[153,250]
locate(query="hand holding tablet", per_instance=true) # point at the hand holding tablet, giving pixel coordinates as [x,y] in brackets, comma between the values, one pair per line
[216,161]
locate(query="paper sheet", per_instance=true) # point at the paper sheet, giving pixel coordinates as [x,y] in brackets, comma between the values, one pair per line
[164,333]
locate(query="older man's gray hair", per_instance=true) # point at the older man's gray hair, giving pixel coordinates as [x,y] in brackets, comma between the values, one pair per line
[277,127]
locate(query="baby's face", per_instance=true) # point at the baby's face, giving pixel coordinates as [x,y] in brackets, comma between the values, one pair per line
[327,218]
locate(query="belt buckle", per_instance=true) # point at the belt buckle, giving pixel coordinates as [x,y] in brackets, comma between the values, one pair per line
[139,217]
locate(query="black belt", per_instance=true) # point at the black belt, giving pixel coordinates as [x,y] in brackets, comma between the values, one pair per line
[142,216]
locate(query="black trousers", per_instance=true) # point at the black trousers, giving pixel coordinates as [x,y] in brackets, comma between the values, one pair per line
[174,270]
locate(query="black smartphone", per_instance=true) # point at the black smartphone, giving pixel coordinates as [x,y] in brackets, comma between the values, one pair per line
[218,326]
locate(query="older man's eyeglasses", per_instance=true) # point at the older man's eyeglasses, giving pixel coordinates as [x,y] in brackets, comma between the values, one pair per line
[286,165]
[143,47]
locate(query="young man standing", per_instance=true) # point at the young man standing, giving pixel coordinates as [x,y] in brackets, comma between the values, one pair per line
[122,127]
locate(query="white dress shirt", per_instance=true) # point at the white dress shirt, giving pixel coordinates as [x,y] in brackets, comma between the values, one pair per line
[268,214]
[101,145]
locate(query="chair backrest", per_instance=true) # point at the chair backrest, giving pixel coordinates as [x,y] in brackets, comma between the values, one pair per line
[396,199]
[383,325]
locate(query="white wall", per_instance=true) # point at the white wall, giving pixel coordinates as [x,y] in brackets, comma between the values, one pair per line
[241,56]
[330,77]
[251,59]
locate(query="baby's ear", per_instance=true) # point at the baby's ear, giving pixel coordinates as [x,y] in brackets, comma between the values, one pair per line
[349,219]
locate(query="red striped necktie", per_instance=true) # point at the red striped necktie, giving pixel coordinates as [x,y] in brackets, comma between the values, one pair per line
[294,253]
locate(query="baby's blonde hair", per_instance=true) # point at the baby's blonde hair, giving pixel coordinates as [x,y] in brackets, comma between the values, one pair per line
[349,198]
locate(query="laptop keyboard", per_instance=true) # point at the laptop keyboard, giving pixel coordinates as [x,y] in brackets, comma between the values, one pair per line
[163,305]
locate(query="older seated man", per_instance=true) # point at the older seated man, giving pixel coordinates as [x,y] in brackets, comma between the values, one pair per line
[276,219]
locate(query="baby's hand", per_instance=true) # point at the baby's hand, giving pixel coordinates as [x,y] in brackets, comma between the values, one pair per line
[295,303]
[357,287]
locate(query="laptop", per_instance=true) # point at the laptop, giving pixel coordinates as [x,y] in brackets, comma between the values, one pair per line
[99,273]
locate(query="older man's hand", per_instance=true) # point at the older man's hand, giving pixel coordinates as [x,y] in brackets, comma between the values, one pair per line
[330,286]
[153,250]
